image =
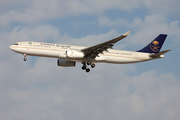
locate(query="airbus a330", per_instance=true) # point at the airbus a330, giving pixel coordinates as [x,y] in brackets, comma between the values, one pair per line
[68,55]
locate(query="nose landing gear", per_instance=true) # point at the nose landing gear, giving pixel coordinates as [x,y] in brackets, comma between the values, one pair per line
[25,57]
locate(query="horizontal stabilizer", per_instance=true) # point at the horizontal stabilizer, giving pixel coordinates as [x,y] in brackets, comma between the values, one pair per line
[159,53]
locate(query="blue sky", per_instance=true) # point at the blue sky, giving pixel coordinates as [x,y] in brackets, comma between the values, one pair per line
[39,89]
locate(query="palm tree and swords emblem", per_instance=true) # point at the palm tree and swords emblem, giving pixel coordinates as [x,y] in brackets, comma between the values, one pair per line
[154,46]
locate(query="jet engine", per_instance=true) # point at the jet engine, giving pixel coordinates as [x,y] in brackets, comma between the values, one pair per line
[65,63]
[74,54]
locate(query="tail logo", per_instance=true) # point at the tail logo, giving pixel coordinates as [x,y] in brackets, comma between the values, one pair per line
[154,46]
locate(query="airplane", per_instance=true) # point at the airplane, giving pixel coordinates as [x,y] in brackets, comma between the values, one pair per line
[68,55]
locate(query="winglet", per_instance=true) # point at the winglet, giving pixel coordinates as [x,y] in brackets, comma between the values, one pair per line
[126,34]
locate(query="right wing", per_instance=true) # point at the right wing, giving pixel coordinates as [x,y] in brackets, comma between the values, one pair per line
[95,50]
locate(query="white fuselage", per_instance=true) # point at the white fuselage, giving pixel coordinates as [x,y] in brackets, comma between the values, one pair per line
[59,51]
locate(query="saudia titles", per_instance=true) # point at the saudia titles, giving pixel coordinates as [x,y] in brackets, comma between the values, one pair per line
[154,46]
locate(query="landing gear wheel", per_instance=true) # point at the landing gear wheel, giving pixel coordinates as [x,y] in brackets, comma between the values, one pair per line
[83,67]
[87,70]
[93,65]
[89,63]
[25,59]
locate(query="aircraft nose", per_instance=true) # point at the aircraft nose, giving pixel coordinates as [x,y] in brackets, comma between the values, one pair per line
[11,47]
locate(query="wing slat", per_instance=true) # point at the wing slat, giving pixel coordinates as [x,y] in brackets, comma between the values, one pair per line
[95,50]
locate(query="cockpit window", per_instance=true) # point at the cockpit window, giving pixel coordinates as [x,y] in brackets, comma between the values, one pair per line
[15,43]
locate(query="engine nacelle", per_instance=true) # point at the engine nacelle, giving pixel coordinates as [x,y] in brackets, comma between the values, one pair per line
[65,63]
[74,54]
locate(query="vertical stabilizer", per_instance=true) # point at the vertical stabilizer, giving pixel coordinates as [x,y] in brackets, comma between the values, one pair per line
[155,45]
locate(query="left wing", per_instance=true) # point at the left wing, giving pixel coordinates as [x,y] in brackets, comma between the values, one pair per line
[95,50]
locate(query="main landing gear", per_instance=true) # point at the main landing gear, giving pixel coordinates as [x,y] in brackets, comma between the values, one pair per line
[84,67]
[25,57]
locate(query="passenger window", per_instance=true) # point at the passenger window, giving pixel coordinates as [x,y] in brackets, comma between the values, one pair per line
[15,43]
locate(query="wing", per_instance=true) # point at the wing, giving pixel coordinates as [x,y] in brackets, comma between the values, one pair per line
[95,50]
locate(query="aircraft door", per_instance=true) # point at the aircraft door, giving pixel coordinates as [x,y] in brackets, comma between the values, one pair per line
[135,54]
